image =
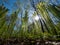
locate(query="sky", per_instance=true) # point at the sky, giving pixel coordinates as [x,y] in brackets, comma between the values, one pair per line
[12,5]
[8,4]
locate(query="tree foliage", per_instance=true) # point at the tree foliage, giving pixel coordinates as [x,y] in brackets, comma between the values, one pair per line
[43,28]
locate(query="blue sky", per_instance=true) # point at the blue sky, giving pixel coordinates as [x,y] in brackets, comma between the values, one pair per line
[10,4]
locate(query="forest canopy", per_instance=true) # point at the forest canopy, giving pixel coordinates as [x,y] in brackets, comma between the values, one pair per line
[31,19]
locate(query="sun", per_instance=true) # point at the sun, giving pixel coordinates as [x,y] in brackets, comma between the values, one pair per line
[36,18]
